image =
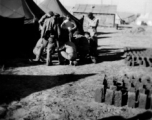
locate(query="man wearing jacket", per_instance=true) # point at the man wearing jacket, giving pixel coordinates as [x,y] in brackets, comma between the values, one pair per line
[50,38]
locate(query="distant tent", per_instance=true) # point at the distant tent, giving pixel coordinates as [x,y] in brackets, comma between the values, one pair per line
[15,35]
[124,17]
[144,19]
[117,19]
[57,7]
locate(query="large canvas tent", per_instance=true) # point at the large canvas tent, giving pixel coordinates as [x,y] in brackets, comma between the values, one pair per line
[57,7]
[15,35]
[19,9]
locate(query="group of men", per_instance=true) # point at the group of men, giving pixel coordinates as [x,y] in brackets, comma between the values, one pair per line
[77,46]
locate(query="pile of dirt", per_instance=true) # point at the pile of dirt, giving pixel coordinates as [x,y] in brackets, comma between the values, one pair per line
[136,31]
[72,101]
[67,92]
[55,105]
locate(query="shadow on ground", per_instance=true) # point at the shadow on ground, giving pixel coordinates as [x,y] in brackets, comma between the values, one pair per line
[143,116]
[124,27]
[24,62]
[109,54]
[106,54]
[103,33]
[15,87]
[104,37]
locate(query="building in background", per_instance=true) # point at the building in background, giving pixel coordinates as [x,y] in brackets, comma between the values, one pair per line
[105,13]
[131,6]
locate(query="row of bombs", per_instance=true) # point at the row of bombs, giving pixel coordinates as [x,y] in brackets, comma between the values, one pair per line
[138,57]
[133,92]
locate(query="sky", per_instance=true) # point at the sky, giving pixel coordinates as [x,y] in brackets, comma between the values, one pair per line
[135,6]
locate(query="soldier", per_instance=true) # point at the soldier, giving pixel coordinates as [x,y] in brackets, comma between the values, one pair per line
[53,28]
[92,47]
[44,17]
[68,51]
[92,29]
[69,25]
[92,24]
[40,43]
[50,37]
[37,50]
[82,45]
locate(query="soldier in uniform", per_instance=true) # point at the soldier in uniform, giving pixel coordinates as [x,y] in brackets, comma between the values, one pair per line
[82,46]
[69,52]
[43,18]
[38,47]
[92,24]
[92,47]
[69,25]
[50,38]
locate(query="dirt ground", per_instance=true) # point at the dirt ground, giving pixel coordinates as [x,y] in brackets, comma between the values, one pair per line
[38,92]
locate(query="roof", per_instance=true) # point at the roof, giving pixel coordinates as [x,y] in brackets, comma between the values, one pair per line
[124,15]
[86,8]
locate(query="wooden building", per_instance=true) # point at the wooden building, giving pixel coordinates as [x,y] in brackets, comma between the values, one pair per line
[105,13]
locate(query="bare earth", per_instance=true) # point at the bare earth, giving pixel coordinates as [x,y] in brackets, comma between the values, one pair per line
[38,92]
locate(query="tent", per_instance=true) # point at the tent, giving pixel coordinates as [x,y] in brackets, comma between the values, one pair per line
[19,9]
[15,35]
[125,17]
[57,7]
[145,18]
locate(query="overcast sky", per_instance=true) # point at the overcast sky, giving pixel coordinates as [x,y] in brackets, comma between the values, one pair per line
[136,6]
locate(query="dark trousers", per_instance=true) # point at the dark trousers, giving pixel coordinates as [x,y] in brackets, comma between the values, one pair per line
[93,46]
[50,50]
[70,36]
[52,43]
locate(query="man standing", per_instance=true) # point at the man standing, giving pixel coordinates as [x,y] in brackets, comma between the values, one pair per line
[49,38]
[69,25]
[92,47]
[40,43]
[44,17]
[92,23]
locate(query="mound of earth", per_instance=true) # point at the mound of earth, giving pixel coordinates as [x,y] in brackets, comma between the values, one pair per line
[60,92]
[73,100]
